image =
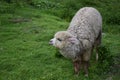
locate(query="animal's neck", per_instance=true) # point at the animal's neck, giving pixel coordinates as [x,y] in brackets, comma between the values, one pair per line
[71,50]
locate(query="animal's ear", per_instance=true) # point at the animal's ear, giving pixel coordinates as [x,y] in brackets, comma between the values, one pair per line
[73,40]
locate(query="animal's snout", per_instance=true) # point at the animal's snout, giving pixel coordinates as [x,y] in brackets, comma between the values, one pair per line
[51,42]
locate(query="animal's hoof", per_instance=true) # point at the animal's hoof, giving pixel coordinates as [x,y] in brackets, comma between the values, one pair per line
[86,75]
[76,75]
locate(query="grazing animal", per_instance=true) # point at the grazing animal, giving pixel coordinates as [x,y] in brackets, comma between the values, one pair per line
[81,37]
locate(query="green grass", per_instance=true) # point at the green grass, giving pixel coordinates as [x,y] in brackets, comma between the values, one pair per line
[26,55]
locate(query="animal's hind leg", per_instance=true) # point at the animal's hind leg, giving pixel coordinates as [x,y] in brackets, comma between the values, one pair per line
[97,56]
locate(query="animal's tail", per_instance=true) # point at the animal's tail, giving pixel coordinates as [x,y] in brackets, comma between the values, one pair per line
[98,42]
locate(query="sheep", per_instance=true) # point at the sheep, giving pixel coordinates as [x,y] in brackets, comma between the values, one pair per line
[81,37]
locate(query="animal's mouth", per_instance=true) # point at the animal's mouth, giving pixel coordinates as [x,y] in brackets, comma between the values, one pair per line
[51,42]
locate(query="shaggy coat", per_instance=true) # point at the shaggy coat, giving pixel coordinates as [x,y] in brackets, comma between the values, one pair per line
[81,37]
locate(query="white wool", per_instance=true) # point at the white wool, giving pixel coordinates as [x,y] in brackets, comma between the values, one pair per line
[86,24]
[85,27]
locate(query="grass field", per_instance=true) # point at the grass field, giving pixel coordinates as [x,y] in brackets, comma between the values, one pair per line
[26,55]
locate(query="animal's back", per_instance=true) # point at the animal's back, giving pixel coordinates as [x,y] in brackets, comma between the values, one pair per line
[86,24]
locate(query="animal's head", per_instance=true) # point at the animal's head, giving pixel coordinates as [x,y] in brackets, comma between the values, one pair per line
[62,39]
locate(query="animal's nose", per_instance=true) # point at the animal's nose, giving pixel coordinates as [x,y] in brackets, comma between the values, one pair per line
[51,42]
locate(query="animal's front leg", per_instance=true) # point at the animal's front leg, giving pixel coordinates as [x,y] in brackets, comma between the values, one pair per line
[77,66]
[85,66]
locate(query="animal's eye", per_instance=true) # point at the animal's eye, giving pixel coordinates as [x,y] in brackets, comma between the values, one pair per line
[59,39]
